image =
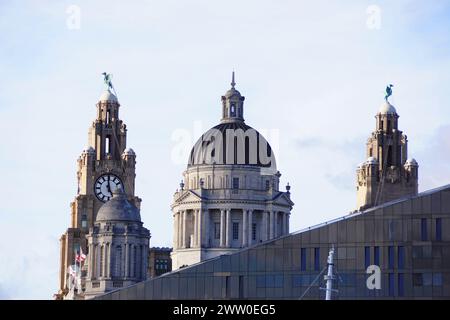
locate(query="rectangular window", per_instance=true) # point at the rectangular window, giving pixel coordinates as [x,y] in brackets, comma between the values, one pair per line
[267,184]
[438,229]
[391,284]
[376,255]
[235,230]
[401,281]
[303,259]
[216,230]
[317,259]
[366,257]
[391,257]
[235,185]
[253,231]
[401,257]
[423,229]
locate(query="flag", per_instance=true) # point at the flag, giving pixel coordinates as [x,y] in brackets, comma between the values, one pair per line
[73,271]
[80,257]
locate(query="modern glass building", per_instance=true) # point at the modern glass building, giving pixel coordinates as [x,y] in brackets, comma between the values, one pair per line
[408,238]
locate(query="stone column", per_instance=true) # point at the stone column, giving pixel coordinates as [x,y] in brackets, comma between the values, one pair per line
[287,221]
[265,223]
[180,229]
[200,228]
[175,230]
[244,228]
[284,223]
[184,235]
[98,258]
[206,228]
[125,251]
[250,228]
[275,224]
[271,224]
[108,261]
[222,228]
[194,238]
[90,261]
[228,232]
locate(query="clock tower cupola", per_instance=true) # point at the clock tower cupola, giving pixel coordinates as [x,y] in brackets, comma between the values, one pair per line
[104,165]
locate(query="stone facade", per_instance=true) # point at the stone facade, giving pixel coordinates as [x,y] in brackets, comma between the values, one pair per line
[159,261]
[118,247]
[388,173]
[229,198]
[106,157]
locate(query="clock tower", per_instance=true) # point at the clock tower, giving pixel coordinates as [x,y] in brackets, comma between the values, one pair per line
[103,166]
[388,173]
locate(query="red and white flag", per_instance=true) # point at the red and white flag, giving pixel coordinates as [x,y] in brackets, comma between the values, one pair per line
[80,256]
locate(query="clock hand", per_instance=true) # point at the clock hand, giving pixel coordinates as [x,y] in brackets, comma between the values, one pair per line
[109,185]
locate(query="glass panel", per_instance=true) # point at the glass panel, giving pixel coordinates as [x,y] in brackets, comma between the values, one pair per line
[317,259]
[391,257]
[303,259]
[278,283]
[417,279]
[260,281]
[438,229]
[401,257]
[269,281]
[437,279]
[401,281]
[391,284]
[423,224]
[427,279]
[376,256]
[366,257]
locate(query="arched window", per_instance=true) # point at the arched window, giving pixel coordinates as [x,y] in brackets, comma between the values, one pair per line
[118,262]
[233,110]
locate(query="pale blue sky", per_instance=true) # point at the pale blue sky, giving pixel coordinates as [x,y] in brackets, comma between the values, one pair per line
[310,70]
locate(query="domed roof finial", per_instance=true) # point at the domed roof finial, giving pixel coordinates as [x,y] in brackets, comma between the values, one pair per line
[232,80]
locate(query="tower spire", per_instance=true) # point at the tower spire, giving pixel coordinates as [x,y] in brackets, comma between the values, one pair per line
[232,80]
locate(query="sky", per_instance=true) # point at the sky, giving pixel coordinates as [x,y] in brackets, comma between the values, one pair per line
[313,74]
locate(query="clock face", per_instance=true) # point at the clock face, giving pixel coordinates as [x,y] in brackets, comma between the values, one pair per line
[104,186]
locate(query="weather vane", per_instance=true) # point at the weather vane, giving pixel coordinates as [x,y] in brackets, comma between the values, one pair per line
[388,92]
[107,79]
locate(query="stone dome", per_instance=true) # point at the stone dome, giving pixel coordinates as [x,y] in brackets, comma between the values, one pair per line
[129,152]
[243,141]
[411,162]
[108,96]
[118,208]
[387,108]
[232,92]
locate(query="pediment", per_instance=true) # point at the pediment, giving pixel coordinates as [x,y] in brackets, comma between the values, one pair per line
[188,196]
[282,199]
